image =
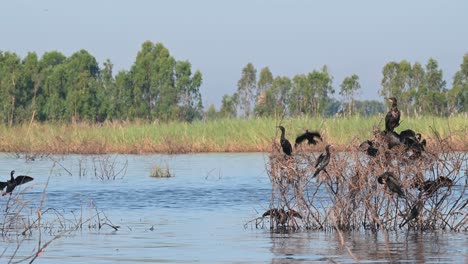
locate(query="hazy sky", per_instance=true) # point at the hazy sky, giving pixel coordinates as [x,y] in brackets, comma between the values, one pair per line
[220,37]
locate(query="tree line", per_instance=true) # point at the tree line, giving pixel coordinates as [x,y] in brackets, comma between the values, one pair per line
[58,88]
[420,90]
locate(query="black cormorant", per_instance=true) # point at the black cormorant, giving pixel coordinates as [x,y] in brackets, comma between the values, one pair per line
[392,183]
[322,161]
[13,182]
[285,145]
[430,187]
[309,136]
[392,119]
[369,147]
[414,213]
[281,216]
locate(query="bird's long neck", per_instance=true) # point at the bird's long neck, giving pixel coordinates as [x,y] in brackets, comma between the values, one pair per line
[11,176]
[282,134]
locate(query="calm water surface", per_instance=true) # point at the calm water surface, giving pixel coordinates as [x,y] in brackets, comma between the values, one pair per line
[198,216]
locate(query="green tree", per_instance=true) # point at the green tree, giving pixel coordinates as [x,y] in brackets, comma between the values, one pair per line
[245,88]
[229,106]
[432,92]
[457,97]
[188,90]
[349,88]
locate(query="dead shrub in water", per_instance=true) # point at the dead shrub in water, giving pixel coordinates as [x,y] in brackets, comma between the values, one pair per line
[349,197]
[28,220]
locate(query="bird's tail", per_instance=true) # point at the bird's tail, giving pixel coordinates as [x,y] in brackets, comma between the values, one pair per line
[316,173]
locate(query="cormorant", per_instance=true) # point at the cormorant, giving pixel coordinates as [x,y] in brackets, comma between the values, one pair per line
[285,145]
[392,119]
[415,211]
[369,148]
[13,182]
[392,139]
[392,183]
[281,216]
[309,136]
[322,161]
[430,187]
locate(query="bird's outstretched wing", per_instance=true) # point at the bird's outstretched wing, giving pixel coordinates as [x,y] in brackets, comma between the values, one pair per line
[300,139]
[2,185]
[23,179]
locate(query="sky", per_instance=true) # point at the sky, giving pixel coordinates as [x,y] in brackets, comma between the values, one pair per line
[220,38]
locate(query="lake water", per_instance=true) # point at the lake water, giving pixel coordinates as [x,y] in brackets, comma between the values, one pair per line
[198,216]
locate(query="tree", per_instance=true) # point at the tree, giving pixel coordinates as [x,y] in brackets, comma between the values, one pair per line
[245,88]
[432,93]
[349,88]
[188,90]
[457,97]
[229,105]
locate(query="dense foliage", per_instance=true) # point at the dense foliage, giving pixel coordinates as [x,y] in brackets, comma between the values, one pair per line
[55,88]
[59,88]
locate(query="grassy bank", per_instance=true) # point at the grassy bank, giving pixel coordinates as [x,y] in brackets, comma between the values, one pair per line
[226,135]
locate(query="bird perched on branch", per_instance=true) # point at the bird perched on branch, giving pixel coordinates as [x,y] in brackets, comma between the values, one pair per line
[392,119]
[309,136]
[414,213]
[430,187]
[13,182]
[369,147]
[281,216]
[323,160]
[285,145]
[392,183]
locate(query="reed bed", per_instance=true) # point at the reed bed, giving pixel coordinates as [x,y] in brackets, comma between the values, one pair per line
[222,135]
[348,197]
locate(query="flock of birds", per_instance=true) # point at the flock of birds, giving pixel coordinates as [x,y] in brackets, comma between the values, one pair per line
[411,140]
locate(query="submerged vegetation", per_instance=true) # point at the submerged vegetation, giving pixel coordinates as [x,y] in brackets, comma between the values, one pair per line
[222,135]
[394,188]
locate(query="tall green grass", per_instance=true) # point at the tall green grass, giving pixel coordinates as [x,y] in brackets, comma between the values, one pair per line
[223,135]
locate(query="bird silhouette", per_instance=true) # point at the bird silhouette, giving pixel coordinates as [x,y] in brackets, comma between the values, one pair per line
[13,182]
[414,213]
[322,161]
[369,147]
[392,183]
[392,119]
[285,145]
[309,136]
[430,187]
[281,216]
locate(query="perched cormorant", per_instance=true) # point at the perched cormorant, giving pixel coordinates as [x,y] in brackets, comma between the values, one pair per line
[13,182]
[309,136]
[392,119]
[414,213]
[323,161]
[369,148]
[285,145]
[392,139]
[430,187]
[281,216]
[392,183]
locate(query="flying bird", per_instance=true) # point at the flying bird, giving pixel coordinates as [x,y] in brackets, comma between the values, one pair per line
[309,136]
[13,182]
[392,183]
[322,161]
[392,119]
[285,144]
